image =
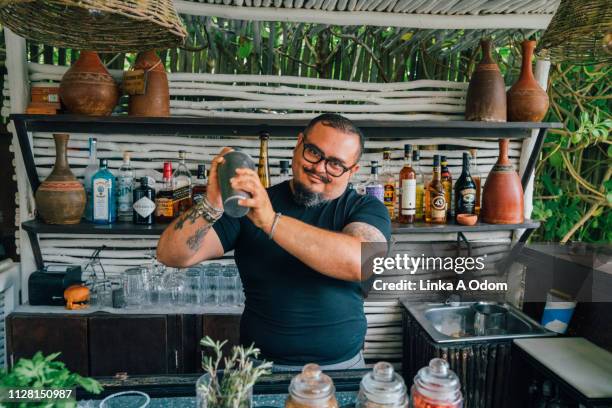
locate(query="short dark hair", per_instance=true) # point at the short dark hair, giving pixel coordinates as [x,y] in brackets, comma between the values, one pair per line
[338,122]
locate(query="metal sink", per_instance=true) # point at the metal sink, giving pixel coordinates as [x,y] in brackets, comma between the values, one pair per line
[455,323]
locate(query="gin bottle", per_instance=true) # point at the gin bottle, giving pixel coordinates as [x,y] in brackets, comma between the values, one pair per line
[104,198]
[374,187]
[125,181]
[144,203]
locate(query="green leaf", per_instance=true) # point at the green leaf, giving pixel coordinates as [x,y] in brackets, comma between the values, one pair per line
[245,49]
[556,160]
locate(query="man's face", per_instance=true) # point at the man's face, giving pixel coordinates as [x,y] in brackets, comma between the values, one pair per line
[342,149]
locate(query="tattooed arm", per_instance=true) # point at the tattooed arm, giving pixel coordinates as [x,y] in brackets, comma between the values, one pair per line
[190,239]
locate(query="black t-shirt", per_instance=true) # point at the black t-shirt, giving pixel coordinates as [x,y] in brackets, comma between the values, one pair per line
[294,314]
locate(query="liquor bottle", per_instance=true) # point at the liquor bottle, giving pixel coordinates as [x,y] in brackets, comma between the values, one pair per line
[465,189]
[200,184]
[408,186]
[475,173]
[420,186]
[437,195]
[144,203]
[125,187]
[104,195]
[388,181]
[164,201]
[263,168]
[426,198]
[181,179]
[373,186]
[90,170]
[284,171]
[447,182]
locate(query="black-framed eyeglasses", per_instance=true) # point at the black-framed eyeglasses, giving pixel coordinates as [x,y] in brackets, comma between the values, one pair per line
[312,154]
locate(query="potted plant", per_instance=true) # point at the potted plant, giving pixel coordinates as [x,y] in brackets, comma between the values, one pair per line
[231,387]
[43,372]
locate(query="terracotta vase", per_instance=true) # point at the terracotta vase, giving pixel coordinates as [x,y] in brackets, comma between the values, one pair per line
[87,88]
[502,196]
[60,199]
[527,101]
[486,94]
[156,100]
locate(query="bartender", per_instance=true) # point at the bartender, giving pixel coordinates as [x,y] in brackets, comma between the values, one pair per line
[298,249]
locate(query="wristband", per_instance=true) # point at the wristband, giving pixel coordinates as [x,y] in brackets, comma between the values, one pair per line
[274,223]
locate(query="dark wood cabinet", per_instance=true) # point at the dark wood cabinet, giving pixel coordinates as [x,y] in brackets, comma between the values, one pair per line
[28,333]
[102,344]
[132,344]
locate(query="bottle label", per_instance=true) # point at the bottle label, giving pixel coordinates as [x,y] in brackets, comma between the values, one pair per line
[144,207]
[125,186]
[409,197]
[101,192]
[467,201]
[376,191]
[164,207]
[438,207]
[389,198]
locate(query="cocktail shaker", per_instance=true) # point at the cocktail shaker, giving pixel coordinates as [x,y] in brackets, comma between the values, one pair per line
[233,160]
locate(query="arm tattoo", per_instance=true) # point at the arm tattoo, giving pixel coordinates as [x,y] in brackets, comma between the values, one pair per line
[194,241]
[189,215]
[364,231]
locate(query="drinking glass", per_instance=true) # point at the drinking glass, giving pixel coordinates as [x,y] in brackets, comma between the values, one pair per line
[229,286]
[193,287]
[211,284]
[173,286]
[101,293]
[134,286]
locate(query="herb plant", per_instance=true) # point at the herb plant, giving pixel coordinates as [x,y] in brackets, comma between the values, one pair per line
[232,388]
[44,372]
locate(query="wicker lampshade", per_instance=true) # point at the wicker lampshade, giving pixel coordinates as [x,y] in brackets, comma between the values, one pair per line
[579,33]
[99,25]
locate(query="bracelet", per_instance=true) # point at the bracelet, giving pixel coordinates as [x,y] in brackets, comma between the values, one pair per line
[205,210]
[274,224]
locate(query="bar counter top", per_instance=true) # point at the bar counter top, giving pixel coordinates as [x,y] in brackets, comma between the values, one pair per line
[170,391]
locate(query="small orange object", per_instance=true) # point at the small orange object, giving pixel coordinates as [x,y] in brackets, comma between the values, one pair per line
[76,297]
[467,219]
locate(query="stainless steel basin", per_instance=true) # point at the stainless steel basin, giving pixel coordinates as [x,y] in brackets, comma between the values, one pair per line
[455,323]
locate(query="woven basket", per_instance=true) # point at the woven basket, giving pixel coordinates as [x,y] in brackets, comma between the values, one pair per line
[579,33]
[98,25]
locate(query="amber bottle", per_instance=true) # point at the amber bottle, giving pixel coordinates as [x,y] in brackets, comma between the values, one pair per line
[437,195]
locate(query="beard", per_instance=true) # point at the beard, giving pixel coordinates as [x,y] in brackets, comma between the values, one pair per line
[303,196]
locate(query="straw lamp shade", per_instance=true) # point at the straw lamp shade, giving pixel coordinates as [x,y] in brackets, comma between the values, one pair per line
[99,25]
[580,33]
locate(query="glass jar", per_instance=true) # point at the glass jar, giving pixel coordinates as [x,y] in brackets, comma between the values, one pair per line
[311,388]
[436,386]
[382,388]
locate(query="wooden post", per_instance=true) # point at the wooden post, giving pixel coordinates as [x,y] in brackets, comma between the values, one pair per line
[16,64]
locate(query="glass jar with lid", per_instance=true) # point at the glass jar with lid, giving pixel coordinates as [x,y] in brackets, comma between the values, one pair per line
[382,388]
[311,388]
[436,386]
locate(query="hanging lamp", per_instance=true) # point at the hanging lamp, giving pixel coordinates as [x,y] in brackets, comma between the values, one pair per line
[579,33]
[99,25]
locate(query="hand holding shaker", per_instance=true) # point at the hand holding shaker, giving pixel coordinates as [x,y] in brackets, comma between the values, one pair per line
[233,160]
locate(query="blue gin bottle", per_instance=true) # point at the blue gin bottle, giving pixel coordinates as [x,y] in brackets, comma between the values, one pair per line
[104,195]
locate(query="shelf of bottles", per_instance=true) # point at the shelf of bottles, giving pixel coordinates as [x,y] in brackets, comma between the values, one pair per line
[422,203]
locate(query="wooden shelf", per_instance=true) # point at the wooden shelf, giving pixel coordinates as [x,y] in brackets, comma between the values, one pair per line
[277,127]
[126,228]
[421,227]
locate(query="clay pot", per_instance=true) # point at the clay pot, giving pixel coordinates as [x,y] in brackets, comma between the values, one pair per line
[87,88]
[60,199]
[527,101]
[156,100]
[502,196]
[486,94]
